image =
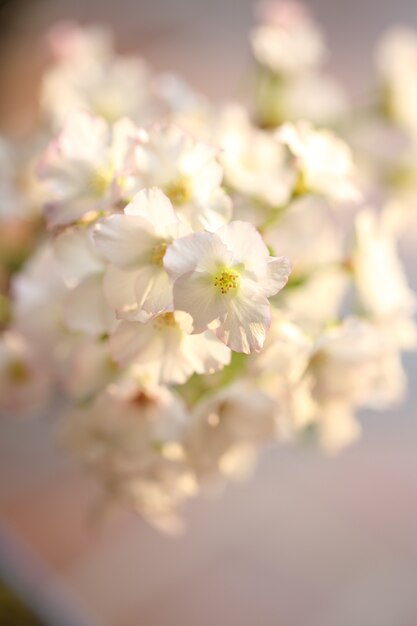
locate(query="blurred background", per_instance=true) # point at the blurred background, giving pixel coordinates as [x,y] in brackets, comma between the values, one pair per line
[309,540]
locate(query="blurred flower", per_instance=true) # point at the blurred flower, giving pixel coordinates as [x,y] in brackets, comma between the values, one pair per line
[323,160]
[87,74]
[187,172]
[396,58]
[165,351]
[83,168]
[25,381]
[255,163]
[226,430]
[132,438]
[287,40]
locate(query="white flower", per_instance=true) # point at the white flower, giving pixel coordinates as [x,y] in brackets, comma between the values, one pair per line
[227,429]
[319,297]
[183,106]
[20,191]
[379,276]
[286,352]
[337,427]
[357,363]
[287,41]
[88,75]
[308,235]
[131,438]
[187,172]
[85,308]
[38,292]
[396,58]
[280,370]
[25,380]
[226,278]
[314,96]
[255,164]
[83,167]
[164,351]
[324,161]
[135,243]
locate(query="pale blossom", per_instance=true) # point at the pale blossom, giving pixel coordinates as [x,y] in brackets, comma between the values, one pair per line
[187,171]
[308,234]
[25,379]
[280,370]
[134,243]
[226,431]
[85,308]
[312,96]
[87,74]
[379,275]
[224,280]
[396,58]
[324,161]
[20,193]
[131,438]
[337,427]
[287,41]
[356,362]
[83,168]
[38,292]
[163,350]
[255,164]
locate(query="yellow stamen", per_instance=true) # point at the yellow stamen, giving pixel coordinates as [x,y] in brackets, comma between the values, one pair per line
[100,181]
[225,280]
[158,253]
[165,319]
[178,191]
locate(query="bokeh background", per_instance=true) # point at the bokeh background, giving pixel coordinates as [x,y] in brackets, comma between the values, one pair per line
[310,540]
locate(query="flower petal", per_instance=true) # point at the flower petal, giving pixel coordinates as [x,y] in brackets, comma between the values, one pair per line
[135,342]
[279,269]
[86,309]
[203,252]
[76,256]
[195,294]
[123,239]
[153,289]
[154,206]
[247,320]
[246,244]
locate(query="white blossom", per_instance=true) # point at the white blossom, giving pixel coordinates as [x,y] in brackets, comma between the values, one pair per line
[164,350]
[132,438]
[227,429]
[26,381]
[323,160]
[225,278]
[287,41]
[187,172]
[87,74]
[83,168]
[255,163]
[135,243]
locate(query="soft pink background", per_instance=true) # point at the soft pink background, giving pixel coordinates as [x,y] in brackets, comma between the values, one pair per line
[309,541]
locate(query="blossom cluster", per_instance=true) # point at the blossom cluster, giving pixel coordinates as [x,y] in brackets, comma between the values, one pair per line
[197,282]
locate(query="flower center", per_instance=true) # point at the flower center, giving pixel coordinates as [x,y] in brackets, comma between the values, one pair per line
[225,280]
[158,253]
[165,319]
[100,181]
[178,191]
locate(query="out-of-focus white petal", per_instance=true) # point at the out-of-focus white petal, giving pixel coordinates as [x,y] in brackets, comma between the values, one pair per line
[124,239]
